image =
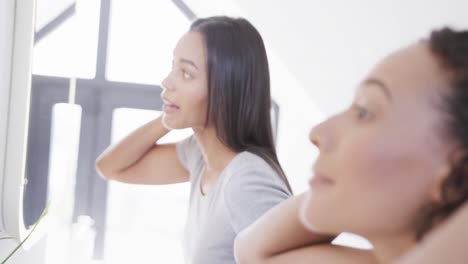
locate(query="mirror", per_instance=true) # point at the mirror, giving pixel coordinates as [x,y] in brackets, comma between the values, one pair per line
[15,118]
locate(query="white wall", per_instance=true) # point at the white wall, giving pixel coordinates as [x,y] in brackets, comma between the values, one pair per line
[330,45]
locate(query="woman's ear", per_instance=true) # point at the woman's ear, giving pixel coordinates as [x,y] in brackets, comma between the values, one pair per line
[443,173]
[440,176]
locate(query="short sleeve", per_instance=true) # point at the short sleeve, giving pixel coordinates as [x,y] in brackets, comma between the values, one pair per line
[188,152]
[252,192]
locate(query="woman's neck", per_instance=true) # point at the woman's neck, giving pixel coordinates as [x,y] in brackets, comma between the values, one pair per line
[215,154]
[388,249]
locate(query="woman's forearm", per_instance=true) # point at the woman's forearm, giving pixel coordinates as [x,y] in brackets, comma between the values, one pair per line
[122,155]
[277,231]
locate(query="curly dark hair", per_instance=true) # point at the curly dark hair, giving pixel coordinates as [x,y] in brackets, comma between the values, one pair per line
[451,49]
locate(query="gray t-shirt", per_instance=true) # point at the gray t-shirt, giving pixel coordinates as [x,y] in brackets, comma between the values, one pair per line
[246,189]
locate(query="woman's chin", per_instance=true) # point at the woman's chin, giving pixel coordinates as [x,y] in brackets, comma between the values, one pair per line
[165,123]
[168,123]
[309,217]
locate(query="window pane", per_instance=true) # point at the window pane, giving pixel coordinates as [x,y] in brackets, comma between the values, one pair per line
[142,36]
[70,49]
[47,10]
[152,216]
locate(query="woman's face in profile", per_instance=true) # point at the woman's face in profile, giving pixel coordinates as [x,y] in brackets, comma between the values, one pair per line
[185,89]
[385,156]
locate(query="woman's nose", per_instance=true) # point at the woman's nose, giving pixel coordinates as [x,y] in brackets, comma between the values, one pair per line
[167,83]
[323,134]
[314,136]
[327,135]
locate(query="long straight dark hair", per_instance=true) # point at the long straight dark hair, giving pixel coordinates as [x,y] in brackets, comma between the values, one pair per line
[239,99]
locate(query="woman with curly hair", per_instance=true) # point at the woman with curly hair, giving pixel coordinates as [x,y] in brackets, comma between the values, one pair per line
[391,167]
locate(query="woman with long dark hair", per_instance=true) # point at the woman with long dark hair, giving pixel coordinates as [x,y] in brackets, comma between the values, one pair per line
[219,86]
[391,168]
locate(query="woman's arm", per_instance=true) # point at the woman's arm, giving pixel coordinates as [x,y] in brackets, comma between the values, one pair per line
[321,253]
[446,244]
[138,159]
[277,231]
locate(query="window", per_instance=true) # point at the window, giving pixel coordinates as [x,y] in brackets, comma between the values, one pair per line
[142,37]
[67,38]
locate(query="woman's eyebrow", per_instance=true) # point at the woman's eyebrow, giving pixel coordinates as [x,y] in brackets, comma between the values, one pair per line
[383,87]
[182,60]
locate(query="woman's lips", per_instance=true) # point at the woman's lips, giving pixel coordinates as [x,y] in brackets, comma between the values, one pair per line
[318,180]
[168,107]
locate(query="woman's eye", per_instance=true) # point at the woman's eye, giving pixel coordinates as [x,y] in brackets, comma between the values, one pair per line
[361,112]
[186,75]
